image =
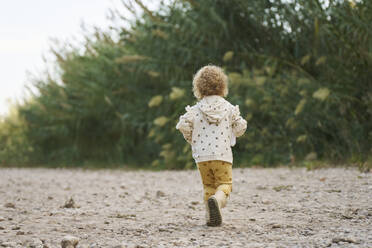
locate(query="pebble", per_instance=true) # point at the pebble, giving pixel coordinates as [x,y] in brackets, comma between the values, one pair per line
[8,244]
[344,239]
[69,242]
[160,194]
[34,243]
[276,225]
[70,203]
[9,205]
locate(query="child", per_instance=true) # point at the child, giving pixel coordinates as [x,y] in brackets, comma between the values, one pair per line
[210,126]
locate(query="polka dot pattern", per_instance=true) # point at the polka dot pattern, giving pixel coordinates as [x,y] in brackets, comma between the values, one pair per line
[211,126]
[211,141]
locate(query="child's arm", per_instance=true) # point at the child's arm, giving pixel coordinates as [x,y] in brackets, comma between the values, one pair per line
[185,124]
[239,125]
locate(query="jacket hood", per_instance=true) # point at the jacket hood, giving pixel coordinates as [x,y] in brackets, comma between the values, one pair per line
[214,108]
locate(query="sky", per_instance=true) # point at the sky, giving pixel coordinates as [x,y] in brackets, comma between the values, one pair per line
[26,29]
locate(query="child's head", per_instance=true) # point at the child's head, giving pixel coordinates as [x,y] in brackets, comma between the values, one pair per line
[210,80]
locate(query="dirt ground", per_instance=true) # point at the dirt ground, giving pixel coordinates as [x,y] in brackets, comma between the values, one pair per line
[117,208]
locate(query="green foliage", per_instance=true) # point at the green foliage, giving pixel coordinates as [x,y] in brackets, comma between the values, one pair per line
[14,146]
[300,71]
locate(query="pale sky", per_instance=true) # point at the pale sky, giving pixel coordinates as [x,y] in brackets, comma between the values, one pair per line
[26,27]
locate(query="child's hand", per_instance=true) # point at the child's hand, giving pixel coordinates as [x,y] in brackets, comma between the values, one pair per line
[186,124]
[239,125]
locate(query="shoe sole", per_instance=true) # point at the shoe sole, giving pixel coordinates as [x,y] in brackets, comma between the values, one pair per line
[215,217]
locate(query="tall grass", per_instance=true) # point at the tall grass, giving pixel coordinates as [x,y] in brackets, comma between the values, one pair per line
[300,70]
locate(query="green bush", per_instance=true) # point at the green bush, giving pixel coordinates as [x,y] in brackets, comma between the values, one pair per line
[14,146]
[300,71]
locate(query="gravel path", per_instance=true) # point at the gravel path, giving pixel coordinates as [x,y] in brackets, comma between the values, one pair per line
[117,208]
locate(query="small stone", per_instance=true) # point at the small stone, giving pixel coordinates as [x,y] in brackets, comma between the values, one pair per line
[2,228]
[346,240]
[333,191]
[8,244]
[16,228]
[9,205]
[20,233]
[260,187]
[125,216]
[69,242]
[50,197]
[34,243]
[70,204]
[307,232]
[2,218]
[160,193]
[346,216]
[282,187]
[162,229]
[275,225]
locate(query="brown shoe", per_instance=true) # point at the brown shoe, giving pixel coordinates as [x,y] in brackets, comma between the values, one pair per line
[215,217]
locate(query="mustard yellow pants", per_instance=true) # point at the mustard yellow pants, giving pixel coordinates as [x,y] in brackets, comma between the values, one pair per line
[215,175]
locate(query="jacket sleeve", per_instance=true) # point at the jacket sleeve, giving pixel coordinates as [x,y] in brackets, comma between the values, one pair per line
[239,125]
[186,124]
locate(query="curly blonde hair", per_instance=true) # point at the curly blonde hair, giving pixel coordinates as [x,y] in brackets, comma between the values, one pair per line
[210,80]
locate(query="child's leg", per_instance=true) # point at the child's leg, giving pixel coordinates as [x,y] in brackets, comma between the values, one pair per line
[222,172]
[223,177]
[208,179]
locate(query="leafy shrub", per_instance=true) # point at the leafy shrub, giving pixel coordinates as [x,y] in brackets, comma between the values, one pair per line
[300,71]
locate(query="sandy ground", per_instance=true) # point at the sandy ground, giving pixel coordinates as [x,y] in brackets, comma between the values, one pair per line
[116,208]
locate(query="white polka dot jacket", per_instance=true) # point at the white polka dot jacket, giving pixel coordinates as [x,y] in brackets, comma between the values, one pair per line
[210,126]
